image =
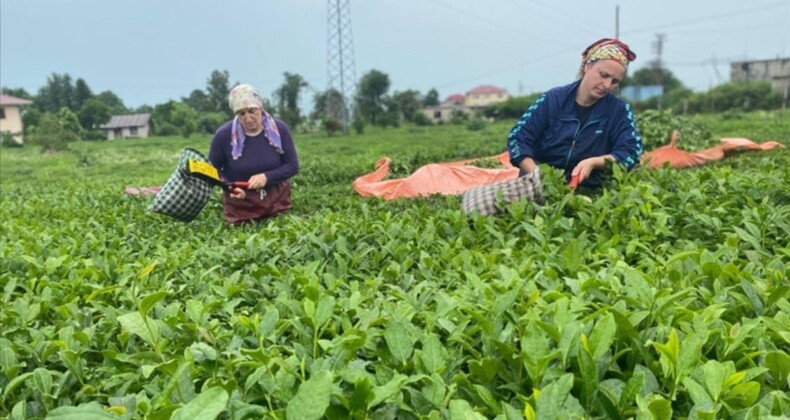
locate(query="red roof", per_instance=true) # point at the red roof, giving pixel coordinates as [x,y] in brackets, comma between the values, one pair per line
[13,100]
[486,89]
[457,99]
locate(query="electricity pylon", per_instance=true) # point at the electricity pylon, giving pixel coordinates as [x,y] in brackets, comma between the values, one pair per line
[341,80]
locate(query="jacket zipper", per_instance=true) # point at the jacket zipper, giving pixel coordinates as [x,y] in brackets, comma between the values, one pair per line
[579,128]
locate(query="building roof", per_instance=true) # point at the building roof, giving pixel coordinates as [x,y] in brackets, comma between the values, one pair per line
[486,89]
[457,99]
[13,100]
[132,120]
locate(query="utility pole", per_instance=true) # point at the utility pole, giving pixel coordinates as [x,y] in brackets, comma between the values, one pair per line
[617,22]
[658,48]
[341,80]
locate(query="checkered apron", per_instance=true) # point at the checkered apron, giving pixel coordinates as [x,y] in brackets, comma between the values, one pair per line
[487,199]
[183,196]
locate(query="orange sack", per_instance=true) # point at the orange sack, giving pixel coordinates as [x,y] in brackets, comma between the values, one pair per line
[447,178]
[677,158]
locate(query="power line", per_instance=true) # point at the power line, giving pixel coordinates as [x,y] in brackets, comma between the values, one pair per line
[708,18]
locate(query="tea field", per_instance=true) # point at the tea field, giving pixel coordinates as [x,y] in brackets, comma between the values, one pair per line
[667,295]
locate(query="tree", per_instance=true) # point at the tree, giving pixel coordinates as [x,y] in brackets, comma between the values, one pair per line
[431,98]
[31,117]
[287,97]
[56,130]
[18,92]
[199,101]
[113,102]
[321,102]
[162,116]
[57,93]
[217,90]
[81,94]
[371,95]
[653,76]
[94,113]
[185,118]
[70,123]
[408,102]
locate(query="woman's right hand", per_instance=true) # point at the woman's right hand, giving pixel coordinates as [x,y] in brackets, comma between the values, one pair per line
[237,193]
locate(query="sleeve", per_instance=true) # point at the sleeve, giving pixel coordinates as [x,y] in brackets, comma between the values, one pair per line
[289,158]
[628,142]
[522,137]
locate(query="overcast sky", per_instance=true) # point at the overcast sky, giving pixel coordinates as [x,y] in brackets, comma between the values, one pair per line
[151,51]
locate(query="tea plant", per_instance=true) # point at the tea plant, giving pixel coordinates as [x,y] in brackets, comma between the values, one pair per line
[665,295]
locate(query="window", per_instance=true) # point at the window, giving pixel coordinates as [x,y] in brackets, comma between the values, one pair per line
[2,113]
[437,114]
[133,131]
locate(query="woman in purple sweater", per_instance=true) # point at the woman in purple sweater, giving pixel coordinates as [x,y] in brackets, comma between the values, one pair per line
[256,148]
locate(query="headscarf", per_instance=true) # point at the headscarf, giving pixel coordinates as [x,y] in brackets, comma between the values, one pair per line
[243,97]
[607,49]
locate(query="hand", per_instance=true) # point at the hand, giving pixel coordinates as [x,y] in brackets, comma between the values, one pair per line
[527,165]
[257,182]
[237,193]
[585,168]
[537,185]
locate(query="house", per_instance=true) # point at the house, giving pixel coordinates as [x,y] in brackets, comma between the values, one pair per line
[468,104]
[775,71]
[128,126]
[11,117]
[486,95]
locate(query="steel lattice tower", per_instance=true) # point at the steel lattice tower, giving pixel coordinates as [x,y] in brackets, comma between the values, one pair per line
[340,62]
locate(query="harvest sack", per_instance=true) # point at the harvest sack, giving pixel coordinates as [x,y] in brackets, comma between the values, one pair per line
[183,196]
[485,198]
[255,206]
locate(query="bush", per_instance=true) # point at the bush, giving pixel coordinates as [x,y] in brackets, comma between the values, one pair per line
[476,124]
[7,140]
[422,120]
[94,135]
[167,129]
[332,126]
[656,128]
[512,109]
[359,125]
[458,117]
[51,135]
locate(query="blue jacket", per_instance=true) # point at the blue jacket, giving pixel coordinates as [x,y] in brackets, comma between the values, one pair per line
[550,133]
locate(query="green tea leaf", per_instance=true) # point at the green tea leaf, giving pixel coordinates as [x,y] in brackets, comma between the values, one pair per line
[312,397]
[133,323]
[398,341]
[432,355]
[149,301]
[461,410]
[202,352]
[89,411]
[602,336]
[715,374]
[697,393]
[778,363]
[206,406]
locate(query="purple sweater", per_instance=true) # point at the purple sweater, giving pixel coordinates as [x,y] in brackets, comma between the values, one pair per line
[258,156]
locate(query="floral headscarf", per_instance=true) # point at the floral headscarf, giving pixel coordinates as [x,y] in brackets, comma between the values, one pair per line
[243,97]
[607,49]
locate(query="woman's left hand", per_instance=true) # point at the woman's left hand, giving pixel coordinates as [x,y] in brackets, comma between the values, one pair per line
[257,182]
[584,168]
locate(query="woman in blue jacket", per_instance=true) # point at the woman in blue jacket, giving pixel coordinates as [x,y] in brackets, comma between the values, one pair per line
[578,127]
